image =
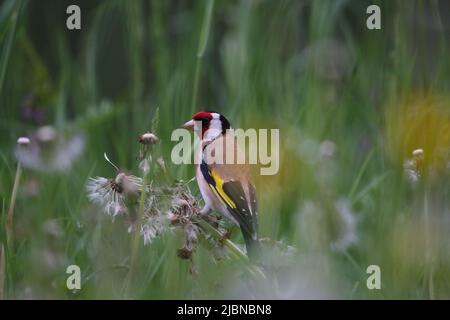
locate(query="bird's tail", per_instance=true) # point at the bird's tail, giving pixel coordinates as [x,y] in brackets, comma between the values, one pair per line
[252,245]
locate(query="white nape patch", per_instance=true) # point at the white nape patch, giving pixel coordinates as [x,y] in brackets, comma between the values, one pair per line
[214,130]
[215,124]
[215,115]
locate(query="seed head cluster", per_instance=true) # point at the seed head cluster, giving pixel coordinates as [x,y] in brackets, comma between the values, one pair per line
[166,209]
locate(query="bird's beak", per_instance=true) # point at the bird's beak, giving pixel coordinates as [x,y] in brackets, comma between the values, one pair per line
[189,125]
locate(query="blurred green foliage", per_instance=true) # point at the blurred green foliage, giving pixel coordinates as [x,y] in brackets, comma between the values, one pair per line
[310,68]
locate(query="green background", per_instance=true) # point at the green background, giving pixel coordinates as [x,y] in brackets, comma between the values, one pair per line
[310,68]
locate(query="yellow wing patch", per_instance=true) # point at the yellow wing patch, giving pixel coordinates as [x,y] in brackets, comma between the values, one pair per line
[219,189]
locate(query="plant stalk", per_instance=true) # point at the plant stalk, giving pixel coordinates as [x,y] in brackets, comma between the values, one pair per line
[2,272]
[201,50]
[136,238]
[428,257]
[9,225]
[234,249]
[8,43]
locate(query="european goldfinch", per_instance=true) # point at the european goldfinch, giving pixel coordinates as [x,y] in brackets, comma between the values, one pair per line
[225,187]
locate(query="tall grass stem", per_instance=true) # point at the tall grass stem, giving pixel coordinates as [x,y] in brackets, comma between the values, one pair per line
[2,272]
[204,34]
[9,225]
[428,248]
[8,44]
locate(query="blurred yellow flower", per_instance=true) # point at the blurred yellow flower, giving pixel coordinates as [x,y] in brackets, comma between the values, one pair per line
[420,122]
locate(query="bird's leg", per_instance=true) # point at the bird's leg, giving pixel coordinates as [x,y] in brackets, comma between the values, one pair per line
[203,213]
[205,210]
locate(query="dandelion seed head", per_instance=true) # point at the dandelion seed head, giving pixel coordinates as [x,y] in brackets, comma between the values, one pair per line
[346,226]
[127,183]
[148,232]
[191,233]
[153,227]
[95,187]
[414,166]
[48,151]
[324,226]
[411,171]
[111,193]
[177,202]
[46,134]
[119,179]
[70,150]
[173,218]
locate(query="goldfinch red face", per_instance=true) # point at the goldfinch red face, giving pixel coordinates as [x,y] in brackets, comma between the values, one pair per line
[211,123]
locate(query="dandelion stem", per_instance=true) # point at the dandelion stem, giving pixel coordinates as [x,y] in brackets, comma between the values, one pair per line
[136,237]
[2,272]
[9,217]
[428,257]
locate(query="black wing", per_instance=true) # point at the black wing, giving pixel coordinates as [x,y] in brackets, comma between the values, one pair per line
[246,216]
[232,195]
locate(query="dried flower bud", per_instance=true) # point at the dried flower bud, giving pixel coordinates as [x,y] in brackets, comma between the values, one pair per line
[180,202]
[23,141]
[148,138]
[184,253]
